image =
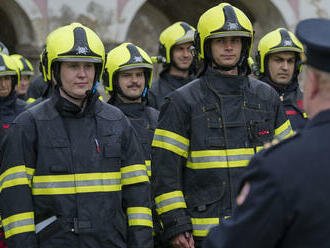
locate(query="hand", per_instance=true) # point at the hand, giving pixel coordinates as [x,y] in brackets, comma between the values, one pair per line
[183,240]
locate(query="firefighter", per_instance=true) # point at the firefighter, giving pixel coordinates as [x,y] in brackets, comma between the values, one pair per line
[26,71]
[72,172]
[279,63]
[10,104]
[284,194]
[175,54]
[127,78]
[209,129]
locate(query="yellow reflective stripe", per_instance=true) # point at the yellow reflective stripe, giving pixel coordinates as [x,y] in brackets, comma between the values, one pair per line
[210,159]
[13,177]
[76,183]
[139,216]
[30,100]
[202,226]
[18,223]
[259,148]
[30,173]
[148,164]
[134,174]
[171,141]
[284,131]
[304,115]
[170,201]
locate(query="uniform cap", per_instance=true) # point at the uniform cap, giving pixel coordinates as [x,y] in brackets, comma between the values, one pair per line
[315,35]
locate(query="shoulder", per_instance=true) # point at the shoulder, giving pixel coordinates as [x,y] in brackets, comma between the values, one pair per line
[108,111]
[188,92]
[154,113]
[261,89]
[44,110]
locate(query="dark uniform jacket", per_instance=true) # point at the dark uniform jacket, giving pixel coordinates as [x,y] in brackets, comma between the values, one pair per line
[144,120]
[291,97]
[82,167]
[208,130]
[163,86]
[10,107]
[288,202]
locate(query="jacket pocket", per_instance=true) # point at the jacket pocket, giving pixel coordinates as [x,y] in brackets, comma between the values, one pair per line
[261,131]
[205,200]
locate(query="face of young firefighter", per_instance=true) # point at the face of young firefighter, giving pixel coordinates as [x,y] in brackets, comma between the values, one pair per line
[5,85]
[281,67]
[77,77]
[182,56]
[23,85]
[132,82]
[226,51]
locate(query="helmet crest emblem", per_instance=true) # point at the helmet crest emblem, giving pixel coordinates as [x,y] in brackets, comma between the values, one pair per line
[81,50]
[138,59]
[288,43]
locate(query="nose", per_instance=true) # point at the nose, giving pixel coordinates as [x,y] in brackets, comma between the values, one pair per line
[285,65]
[186,52]
[82,72]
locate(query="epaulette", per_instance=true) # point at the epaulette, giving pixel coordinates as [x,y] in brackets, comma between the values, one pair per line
[276,143]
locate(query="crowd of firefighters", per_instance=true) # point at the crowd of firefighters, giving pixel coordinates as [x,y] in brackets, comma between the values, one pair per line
[157,165]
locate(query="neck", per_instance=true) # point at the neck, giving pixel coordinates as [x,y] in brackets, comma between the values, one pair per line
[233,72]
[125,100]
[78,102]
[180,73]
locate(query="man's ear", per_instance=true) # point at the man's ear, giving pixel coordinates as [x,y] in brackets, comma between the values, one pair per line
[314,84]
[53,77]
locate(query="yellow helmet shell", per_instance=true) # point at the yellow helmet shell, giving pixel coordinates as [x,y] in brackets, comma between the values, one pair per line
[279,40]
[220,21]
[177,33]
[24,65]
[8,67]
[123,57]
[73,42]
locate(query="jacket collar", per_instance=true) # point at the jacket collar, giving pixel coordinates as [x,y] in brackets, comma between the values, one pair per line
[321,118]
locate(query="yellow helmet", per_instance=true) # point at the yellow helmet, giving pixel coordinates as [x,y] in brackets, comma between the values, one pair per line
[8,67]
[177,33]
[123,57]
[24,65]
[73,42]
[221,21]
[279,40]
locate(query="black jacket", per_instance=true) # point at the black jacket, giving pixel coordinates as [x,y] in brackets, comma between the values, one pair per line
[144,120]
[10,107]
[288,202]
[208,130]
[85,168]
[291,97]
[164,86]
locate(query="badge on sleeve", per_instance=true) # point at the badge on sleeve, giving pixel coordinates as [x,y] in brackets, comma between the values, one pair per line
[243,194]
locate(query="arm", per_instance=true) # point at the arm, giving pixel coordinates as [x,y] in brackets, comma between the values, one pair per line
[16,175]
[283,128]
[170,152]
[259,217]
[136,191]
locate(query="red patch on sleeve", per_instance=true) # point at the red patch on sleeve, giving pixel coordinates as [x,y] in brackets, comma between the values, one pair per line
[5,126]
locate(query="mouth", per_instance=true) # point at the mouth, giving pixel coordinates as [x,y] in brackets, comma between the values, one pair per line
[81,84]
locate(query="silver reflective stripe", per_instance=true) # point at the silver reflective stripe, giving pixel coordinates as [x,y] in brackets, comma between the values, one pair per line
[170,201]
[220,158]
[200,227]
[83,183]
[43,224]
[12,177]
[285,133]
[131,174]
[18,223]
[171,141]
[139,216]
